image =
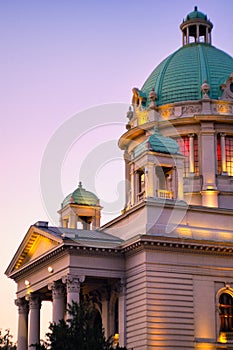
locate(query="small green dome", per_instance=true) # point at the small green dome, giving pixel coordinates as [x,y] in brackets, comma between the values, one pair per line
[82,197]
[157,143]
[180,76]
[162,144]
[196,14]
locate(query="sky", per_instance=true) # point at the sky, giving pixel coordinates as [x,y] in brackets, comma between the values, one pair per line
[67,71]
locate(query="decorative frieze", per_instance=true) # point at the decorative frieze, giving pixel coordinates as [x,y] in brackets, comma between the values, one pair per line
[223,108]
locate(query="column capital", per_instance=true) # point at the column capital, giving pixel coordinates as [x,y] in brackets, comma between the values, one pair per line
[22,305]
[57,288]
[34,301]
[222,134]
[73,282]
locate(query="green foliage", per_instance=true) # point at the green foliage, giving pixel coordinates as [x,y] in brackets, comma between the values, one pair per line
[79,332]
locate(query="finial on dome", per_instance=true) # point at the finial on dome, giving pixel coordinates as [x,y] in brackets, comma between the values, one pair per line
[80,184]
[205,88]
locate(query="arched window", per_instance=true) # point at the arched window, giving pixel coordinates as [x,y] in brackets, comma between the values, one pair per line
[226,312]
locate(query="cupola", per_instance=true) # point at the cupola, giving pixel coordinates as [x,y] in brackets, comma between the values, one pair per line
[80,209]
[196,28]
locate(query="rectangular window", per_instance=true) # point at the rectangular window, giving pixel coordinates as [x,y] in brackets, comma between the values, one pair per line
[229,154]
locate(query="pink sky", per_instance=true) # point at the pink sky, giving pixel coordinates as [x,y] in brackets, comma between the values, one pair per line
[58,59]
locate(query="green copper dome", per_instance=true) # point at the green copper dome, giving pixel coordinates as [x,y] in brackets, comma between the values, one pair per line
[162,144]
[195,14]
[82,197]
[180,76]
[157,143]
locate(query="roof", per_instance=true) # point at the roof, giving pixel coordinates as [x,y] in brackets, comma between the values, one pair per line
[82,197]
[157,143]
[195,14]
[84,236]
[41,240]
[180,76]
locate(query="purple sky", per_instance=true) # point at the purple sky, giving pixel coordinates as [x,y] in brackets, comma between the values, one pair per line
[59,58]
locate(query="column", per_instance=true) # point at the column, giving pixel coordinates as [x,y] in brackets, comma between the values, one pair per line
[122,313]
[58,295]
[72,220]
[73,284]
[22,341]
[34,320]
[105,299]
[187,35]
[191,154]
[206,35]
[209,188]
[223,154]
[150,180]
[127,179]
[197,37]
[132,185]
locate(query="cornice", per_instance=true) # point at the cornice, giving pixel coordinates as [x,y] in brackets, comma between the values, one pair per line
[177,244]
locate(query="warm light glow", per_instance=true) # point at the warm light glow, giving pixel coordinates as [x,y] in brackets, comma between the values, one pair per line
[27,283]
[210,198]
[222,338]
[50,269]
[116,339]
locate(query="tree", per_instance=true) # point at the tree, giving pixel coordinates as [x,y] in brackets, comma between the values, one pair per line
[6,341]
[81,331]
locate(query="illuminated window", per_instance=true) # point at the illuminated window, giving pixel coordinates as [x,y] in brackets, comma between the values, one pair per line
[219,157]
[184,148]
[229,154]
[226,312]
[141,181]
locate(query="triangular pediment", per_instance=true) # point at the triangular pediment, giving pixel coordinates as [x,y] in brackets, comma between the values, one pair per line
[35,244]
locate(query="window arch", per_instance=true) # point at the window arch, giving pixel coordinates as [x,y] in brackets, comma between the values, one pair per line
[225,315]
[226,312]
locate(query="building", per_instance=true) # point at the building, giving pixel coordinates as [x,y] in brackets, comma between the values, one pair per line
[161,274]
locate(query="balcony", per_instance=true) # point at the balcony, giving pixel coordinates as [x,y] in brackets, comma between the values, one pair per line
[165,194]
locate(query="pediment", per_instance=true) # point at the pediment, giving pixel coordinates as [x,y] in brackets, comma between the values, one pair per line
[35,244]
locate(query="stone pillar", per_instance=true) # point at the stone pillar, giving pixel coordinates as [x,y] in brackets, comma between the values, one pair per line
[105,297]
[122,313]
[197,38]
[22,341]
[96,220]
[73,284]
[127,179]
[187,35]
[34,320]
[58,295]
[132,185]
[150,180]
[209,188]
[191,154]
[72,220]
[223,154]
